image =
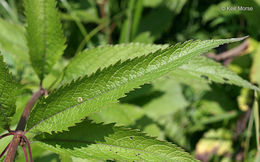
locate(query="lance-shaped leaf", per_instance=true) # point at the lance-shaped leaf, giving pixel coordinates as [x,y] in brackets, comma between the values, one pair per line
[13,44]
[7,95]
[89,61]
[66,106]
[44,35]
[199,69]
[204,69]
[107,142]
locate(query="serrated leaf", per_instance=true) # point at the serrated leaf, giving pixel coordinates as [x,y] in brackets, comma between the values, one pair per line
[198,70]
[75,101]
[202,68]
[128,115]
[44,35]
[7,95]
[107,142]
[89,61]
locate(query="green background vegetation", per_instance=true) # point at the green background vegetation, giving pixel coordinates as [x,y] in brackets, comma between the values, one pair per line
[214,122]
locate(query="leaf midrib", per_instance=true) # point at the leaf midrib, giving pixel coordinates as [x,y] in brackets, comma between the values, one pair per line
[44,39]
[102,93]
[89,99]
[1,108]
[210,73]
[55,141]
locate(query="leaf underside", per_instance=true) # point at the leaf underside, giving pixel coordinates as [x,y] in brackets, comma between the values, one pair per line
[44,35]
[107,142]
[7,95]
[70,103]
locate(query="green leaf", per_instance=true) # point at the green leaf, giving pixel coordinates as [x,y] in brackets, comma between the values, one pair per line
[45,36]
[164,18]
[90,140]
[121,114]
[175,5]
[7,95]
[171,100]
[126,29]
[202,68]
[254,71]
[71,103]
[152,3]
[89,61]
[14,49]
[199,69]
[13,44]
[215,11]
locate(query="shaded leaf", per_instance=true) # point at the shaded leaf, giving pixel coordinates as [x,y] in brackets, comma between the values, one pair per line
[88,140]
[13,45]
[160,25]
[201,68]
[121,114]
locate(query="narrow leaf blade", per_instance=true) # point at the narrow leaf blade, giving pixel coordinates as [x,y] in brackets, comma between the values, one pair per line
[107,142]
[89,61]
[75,101]
[7,95]
[44,35]
[202,68]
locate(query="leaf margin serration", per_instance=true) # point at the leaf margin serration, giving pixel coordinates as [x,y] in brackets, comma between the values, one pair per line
[128,133]
[43,61]
[211,44]
[7,109]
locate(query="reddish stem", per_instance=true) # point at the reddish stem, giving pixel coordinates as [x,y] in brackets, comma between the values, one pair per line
[12,148]
[5,135]
[19,132]
[29,147]
[25,153]
[5,150]
[27,110]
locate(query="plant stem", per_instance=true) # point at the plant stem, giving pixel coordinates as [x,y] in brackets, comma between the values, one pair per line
[27,110]
[248,135]
[89,36]
[12,149]
[21,125]
[256,114]
[136,18]
[231,53]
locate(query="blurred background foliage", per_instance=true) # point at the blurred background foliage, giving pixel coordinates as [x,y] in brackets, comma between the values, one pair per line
[212,121]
